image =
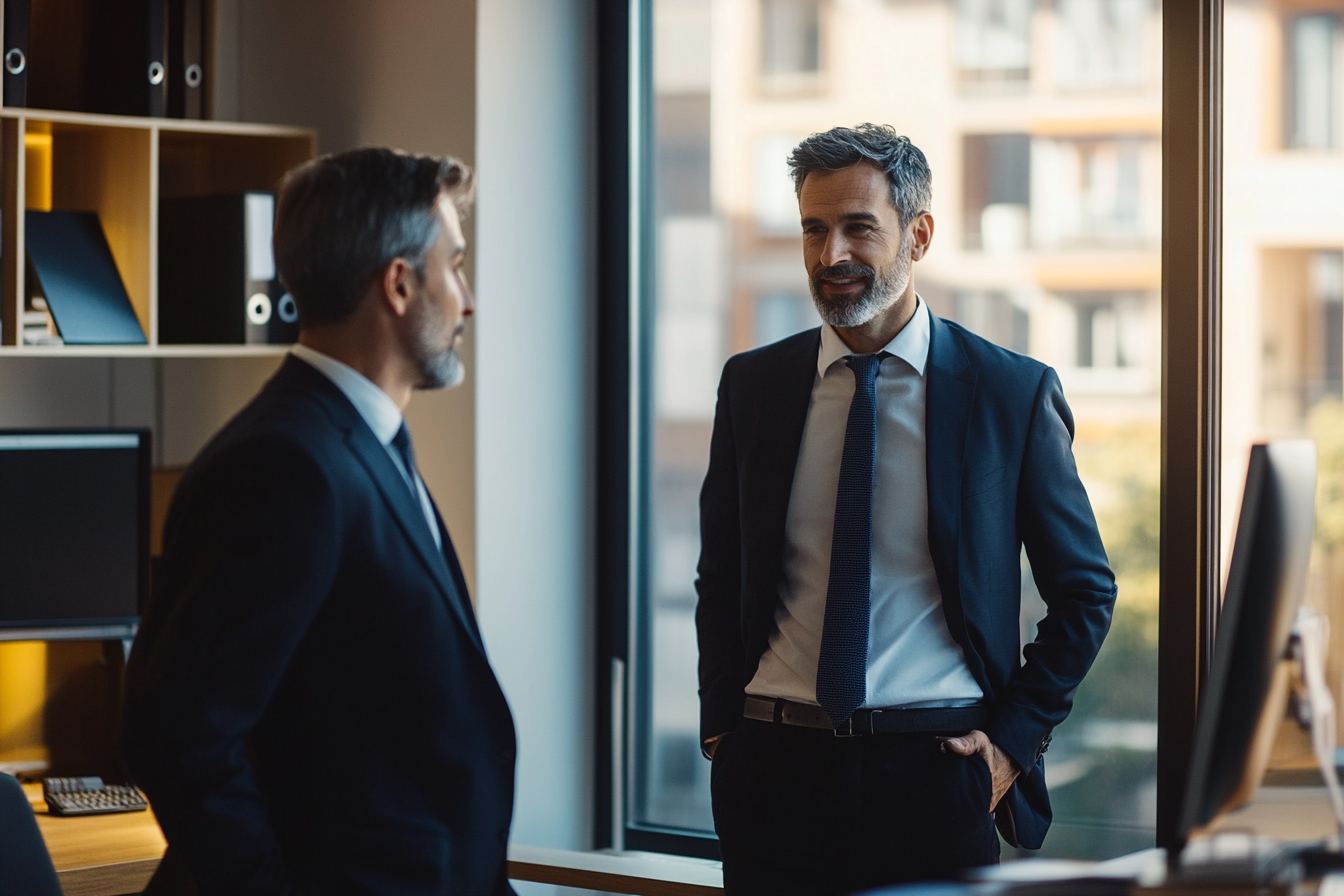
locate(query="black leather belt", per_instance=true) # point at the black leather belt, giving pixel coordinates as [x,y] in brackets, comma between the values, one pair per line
[923,720]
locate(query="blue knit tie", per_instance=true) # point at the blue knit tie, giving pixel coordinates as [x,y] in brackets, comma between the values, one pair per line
[402,442]
[843,662]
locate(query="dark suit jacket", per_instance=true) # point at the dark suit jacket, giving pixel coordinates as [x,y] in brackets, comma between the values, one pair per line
[309,706]
[1000,475]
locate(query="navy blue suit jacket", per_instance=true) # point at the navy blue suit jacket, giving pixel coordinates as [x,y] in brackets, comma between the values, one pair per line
[1001,475]
[309,705]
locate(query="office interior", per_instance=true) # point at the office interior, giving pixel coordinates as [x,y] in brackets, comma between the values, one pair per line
[1043,121]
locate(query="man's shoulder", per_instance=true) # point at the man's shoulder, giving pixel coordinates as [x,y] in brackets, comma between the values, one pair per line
[297,412]
[800,348]
[995,364]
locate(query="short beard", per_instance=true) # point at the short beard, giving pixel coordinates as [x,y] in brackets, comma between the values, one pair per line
[439,366]
[885,288]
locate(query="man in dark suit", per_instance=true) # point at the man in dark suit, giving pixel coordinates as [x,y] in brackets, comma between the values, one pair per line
[870,487]
[309,705]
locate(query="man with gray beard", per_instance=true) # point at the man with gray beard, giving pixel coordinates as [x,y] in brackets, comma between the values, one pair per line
[871,484]
[309,706]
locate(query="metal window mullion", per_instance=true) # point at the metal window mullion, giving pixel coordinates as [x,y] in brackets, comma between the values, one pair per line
[1191,384]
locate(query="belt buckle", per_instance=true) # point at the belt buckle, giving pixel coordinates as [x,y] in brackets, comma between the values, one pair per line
[846,728]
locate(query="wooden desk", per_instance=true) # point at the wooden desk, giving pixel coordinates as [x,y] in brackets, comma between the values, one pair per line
[116,855]
[100,855]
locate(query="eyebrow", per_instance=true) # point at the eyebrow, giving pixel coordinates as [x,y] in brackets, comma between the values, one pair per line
[868,217]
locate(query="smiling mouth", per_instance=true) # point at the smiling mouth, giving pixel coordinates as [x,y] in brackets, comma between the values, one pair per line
[843,283]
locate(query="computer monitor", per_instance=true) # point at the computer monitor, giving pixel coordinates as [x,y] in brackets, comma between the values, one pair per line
[1244,700]
[74,533]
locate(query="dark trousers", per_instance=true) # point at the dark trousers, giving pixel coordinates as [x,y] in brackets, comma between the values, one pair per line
[801,811]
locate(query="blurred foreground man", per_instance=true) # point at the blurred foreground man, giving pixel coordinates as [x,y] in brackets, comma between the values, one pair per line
[871,484]
[309,704]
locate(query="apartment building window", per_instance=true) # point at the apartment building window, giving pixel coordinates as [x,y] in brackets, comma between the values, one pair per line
[993,41]
[1312,73]
[790,44]
[1096,192]
[1109,331]
[1100,43]
[997,316]
[996,191]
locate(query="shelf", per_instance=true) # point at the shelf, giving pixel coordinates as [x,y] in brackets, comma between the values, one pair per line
[121,167]
[143,351]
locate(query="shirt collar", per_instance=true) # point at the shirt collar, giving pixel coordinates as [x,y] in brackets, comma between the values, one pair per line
[910,345]
[379,411]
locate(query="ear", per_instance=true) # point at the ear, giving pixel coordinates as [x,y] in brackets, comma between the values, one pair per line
[922,233]
[398,285]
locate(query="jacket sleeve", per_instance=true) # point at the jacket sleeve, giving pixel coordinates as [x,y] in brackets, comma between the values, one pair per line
[718,612]
[1055,520]
[250,554]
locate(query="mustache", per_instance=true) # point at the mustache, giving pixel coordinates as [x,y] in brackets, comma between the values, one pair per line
[844,271]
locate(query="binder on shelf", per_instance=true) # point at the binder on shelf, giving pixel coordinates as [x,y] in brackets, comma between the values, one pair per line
[126,69]
[105,56]
[217,278]
[15,59]
[186,58]
[78,276]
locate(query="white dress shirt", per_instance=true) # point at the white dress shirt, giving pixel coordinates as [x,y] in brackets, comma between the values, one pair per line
[912,659]
[381,414]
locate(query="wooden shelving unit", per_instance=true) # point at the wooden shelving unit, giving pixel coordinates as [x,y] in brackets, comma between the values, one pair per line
[120,167]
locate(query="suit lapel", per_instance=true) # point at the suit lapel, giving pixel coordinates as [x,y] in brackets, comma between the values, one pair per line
[406,511]
[951,390]
[455,571]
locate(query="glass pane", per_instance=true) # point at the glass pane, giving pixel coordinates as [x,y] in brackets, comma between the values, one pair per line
[1041,122]
[1283,284]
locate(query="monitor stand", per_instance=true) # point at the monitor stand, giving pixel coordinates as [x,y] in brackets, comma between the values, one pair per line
[1236,857]
[1315,707]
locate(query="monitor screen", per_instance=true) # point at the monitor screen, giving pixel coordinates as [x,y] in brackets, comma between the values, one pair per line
[1243,703]
[74,532]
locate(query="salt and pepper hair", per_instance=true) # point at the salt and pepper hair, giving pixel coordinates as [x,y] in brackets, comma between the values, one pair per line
[342,219]
[905,166]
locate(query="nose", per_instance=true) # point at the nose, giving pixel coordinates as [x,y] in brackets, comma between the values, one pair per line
[468,298]
[836,249]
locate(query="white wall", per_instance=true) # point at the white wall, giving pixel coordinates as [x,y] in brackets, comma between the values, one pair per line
[395,73]
[534,388]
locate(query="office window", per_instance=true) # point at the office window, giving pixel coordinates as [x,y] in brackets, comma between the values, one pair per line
[993,41]
[718,269]
[1312,74]
[790,43]
[1100,43]
[996,191]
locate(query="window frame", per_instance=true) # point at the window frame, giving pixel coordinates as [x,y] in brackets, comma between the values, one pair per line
[1190,577]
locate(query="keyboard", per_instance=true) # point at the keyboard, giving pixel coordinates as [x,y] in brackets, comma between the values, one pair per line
[90,796]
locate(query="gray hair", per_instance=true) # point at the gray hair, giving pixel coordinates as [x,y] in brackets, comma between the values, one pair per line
[341,220]
[905,166]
